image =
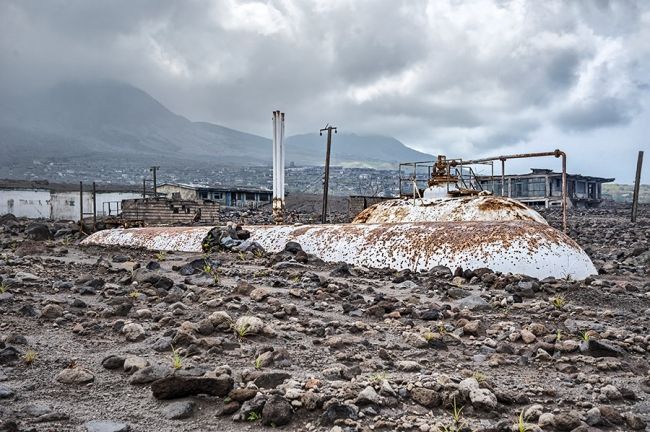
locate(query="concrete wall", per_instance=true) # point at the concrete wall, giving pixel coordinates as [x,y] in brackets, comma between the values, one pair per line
[56,205]
[187,194]
[31,203]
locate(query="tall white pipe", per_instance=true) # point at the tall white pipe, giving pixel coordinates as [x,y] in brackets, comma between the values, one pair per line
[278,167]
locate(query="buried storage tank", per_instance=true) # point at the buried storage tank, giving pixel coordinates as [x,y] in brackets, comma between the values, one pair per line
[523,247]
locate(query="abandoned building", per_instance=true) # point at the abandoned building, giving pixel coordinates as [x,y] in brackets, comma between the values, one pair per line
[42,199]
[230,197]
[169,211]
[543,188]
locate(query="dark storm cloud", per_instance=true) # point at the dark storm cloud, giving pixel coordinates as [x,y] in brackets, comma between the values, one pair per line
[475,75]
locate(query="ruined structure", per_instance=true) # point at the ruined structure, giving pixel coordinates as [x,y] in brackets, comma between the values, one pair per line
[226,196]
[543,188]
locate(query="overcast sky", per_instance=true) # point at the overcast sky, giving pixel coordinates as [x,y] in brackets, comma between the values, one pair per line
[463,78]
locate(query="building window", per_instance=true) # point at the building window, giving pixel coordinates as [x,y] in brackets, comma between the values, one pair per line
[203,194]
[217,195]
[250,196]
[529,187]
[580,187]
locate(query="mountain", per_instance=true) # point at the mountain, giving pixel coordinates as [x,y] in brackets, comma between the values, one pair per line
[115,122]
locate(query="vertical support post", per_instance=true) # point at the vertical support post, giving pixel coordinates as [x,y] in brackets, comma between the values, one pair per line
[154,169]
[564,194]
[637,185]
[278,167]
[144,188]
[81,207]
[326,180]
[94,207]
[503,177]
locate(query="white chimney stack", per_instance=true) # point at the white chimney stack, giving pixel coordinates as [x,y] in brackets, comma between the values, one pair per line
[278,167]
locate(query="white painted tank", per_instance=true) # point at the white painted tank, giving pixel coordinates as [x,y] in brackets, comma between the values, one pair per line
[472,208]
[523,247]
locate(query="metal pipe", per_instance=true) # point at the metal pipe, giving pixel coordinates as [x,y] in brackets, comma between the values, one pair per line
[564,192]
[81,207]
[327,169]
[503,177]
[94,207]
[637,184]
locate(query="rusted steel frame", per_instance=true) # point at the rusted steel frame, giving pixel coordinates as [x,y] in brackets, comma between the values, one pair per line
[637,184]
[81,207]
[94,207]
[503,177]
[555,153]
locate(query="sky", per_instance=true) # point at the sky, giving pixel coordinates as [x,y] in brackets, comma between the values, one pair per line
[462,78]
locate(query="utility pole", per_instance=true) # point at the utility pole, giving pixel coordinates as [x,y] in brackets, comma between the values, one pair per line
[637,185]
[153,169]
[326,180]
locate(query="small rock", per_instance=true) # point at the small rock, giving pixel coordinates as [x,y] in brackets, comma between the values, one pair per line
[113,362]
[76,375]
[5,392]
[106,426]
[426,397]
[134,363]
[277,411]
[180,386]
[179,410]
[368,396]
[133,332]
[52,311]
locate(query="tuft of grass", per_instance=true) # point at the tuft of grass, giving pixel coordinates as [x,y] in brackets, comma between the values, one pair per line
[558,335]
[428,336]
[441,329]
[30,357]
[479,376]
[559,302]
[378,377]
[134,294]
[241,330]
[242,257]
[253,416]
[584,335]
[457,422]
[4,287]
[161,256]
[211,271]
[457,414]
[177,360]
[258,253]
[258,363]
[521,424]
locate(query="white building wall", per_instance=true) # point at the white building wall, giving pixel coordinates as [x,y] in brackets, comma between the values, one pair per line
[30,203]
[57,205]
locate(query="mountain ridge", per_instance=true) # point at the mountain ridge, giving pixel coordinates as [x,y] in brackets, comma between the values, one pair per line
[112,121]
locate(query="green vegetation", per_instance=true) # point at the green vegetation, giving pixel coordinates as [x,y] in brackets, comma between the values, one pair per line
[479,376]
[378,377]
[253,416]
[4,287]
[521,424]
[559,302]
[161,256]
[177,360]
[623,193]
[457,423]
[258,363]
[241,330]
[30,357]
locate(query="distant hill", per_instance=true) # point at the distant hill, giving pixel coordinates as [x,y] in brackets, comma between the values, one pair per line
[624,193]
[113,121]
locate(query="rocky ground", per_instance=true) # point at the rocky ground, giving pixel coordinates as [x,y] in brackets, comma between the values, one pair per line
[105,340]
